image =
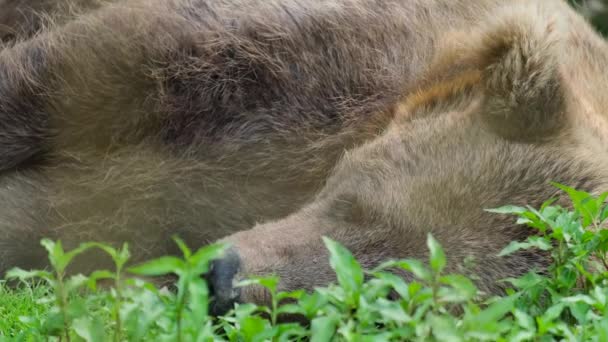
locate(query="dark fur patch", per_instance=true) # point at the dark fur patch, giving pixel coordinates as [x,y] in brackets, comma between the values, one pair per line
[24,124]
[294,72]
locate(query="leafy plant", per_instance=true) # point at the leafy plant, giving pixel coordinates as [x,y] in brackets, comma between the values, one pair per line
[567,302]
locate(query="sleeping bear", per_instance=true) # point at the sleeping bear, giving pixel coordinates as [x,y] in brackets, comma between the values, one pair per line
[268,124]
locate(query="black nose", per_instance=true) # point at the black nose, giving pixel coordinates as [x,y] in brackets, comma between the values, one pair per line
[221,281]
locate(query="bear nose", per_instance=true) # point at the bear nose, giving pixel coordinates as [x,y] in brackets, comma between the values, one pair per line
[222,280]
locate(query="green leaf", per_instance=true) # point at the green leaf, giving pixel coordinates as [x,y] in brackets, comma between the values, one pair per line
[348,270]
[254,328]
[123,255]
[463,285]
[513,247]
[54,249]
[397,283]
[312,303]
[444,328]
[291,332]
[532,242]
[270,282]
[297,294]
[99,275]
[183,247]
[392,311]
[601,328]
[198,292]
[553,312]
[580,311]
[583,203]
[53,324]
[201,259]
[437,257]
[323,329]
[580,298]
[76,308]
[604,214]
[66,259]
[91,330]
[412,265]
[524,320]
[498,309]
[75,281]
[120,257]
[290,309]
[18,273]
[508,209]
[157,267]
[527,281]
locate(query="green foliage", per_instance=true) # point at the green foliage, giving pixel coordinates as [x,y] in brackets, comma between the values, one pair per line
[596,12]
[567,302]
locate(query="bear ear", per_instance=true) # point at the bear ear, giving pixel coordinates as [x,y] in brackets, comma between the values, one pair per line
[524,97]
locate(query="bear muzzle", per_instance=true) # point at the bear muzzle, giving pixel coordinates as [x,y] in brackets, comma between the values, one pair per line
[222,282]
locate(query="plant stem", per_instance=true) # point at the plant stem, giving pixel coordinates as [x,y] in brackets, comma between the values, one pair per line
[117,307]
[62,302]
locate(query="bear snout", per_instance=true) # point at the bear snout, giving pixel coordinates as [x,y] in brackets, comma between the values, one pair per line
[222,282]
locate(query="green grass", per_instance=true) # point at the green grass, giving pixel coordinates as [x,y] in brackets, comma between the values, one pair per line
[569,302]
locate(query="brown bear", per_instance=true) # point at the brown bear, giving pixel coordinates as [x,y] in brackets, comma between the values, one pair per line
[371,122]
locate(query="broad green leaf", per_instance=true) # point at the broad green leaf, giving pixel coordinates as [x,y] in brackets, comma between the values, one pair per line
[312,303]
[396,282]
[270,282]
[392,311]
[601,328]
[524,320]
[198,292]
[498,309]
[583,202]
[527,281]
[553,312]
[53,324]
[463,285]
[201,259]
[157,267]
[323,329]
[297,294]
[90,329]
[291,332]
[444,328]
[348,270]
[290,309]
[254,328]
[580,311]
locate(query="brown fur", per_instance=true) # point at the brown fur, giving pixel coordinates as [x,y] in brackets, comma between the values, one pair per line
[353,119]
[21,19]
